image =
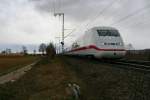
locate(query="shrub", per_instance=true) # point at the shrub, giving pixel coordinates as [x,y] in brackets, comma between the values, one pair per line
[50,50]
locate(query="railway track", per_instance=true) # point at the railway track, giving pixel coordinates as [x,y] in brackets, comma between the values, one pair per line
[109,78]
[136,61]
[129,64]
[123,63]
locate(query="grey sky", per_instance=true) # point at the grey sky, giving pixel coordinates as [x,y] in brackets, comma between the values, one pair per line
[32,21]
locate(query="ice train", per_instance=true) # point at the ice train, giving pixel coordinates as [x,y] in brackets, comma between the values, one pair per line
[99,42]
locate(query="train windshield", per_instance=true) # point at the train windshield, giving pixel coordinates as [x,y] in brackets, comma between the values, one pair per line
[108,33]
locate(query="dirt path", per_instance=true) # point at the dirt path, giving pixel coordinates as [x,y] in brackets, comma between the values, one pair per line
[12,76]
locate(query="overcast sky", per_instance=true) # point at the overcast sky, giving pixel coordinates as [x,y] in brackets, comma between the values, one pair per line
[31,22]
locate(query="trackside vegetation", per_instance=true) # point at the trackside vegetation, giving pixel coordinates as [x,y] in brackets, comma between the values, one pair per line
[49,79]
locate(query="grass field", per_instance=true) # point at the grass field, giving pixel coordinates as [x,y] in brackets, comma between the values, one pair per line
[143,56]
[48,80]
[138,57]
[10,63]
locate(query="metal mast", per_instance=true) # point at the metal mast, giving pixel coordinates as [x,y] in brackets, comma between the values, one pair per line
[62,42]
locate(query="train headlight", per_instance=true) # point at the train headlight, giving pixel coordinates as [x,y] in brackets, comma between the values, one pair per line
[103,43]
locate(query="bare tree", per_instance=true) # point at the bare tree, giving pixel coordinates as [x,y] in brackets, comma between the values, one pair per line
[8,51]
[3,52]
[24,50]
[50,50]
[34,52]
[42,48]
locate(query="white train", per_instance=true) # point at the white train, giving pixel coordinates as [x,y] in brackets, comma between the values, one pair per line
[99,42]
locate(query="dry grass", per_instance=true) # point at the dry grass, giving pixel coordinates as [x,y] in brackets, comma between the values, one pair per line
[9,63]
[47,80]
[138,57]
[108,82]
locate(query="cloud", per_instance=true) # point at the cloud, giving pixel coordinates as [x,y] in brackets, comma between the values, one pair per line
[21,23]
[78,10]
[32,21]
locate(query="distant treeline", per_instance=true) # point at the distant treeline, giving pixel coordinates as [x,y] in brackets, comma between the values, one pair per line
[139,54]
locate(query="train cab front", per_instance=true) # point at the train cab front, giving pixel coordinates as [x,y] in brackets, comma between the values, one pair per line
[110,43]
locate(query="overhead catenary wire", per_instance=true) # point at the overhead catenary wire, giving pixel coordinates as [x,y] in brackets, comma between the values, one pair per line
[140,23]
[115,12]
[94,18]
[131,14]
[69,33]
[55,7]
[59,5]
[101,12]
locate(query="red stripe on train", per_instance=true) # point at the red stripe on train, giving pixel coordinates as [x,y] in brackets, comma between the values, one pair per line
[96,48]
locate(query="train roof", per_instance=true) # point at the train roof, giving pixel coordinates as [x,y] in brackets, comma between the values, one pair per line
[104,28]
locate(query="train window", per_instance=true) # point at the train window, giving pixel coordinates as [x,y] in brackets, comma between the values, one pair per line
[114,33]
[108,33]
[102,32]
[112,43]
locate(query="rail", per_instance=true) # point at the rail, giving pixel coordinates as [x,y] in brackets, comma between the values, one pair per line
[131,64]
